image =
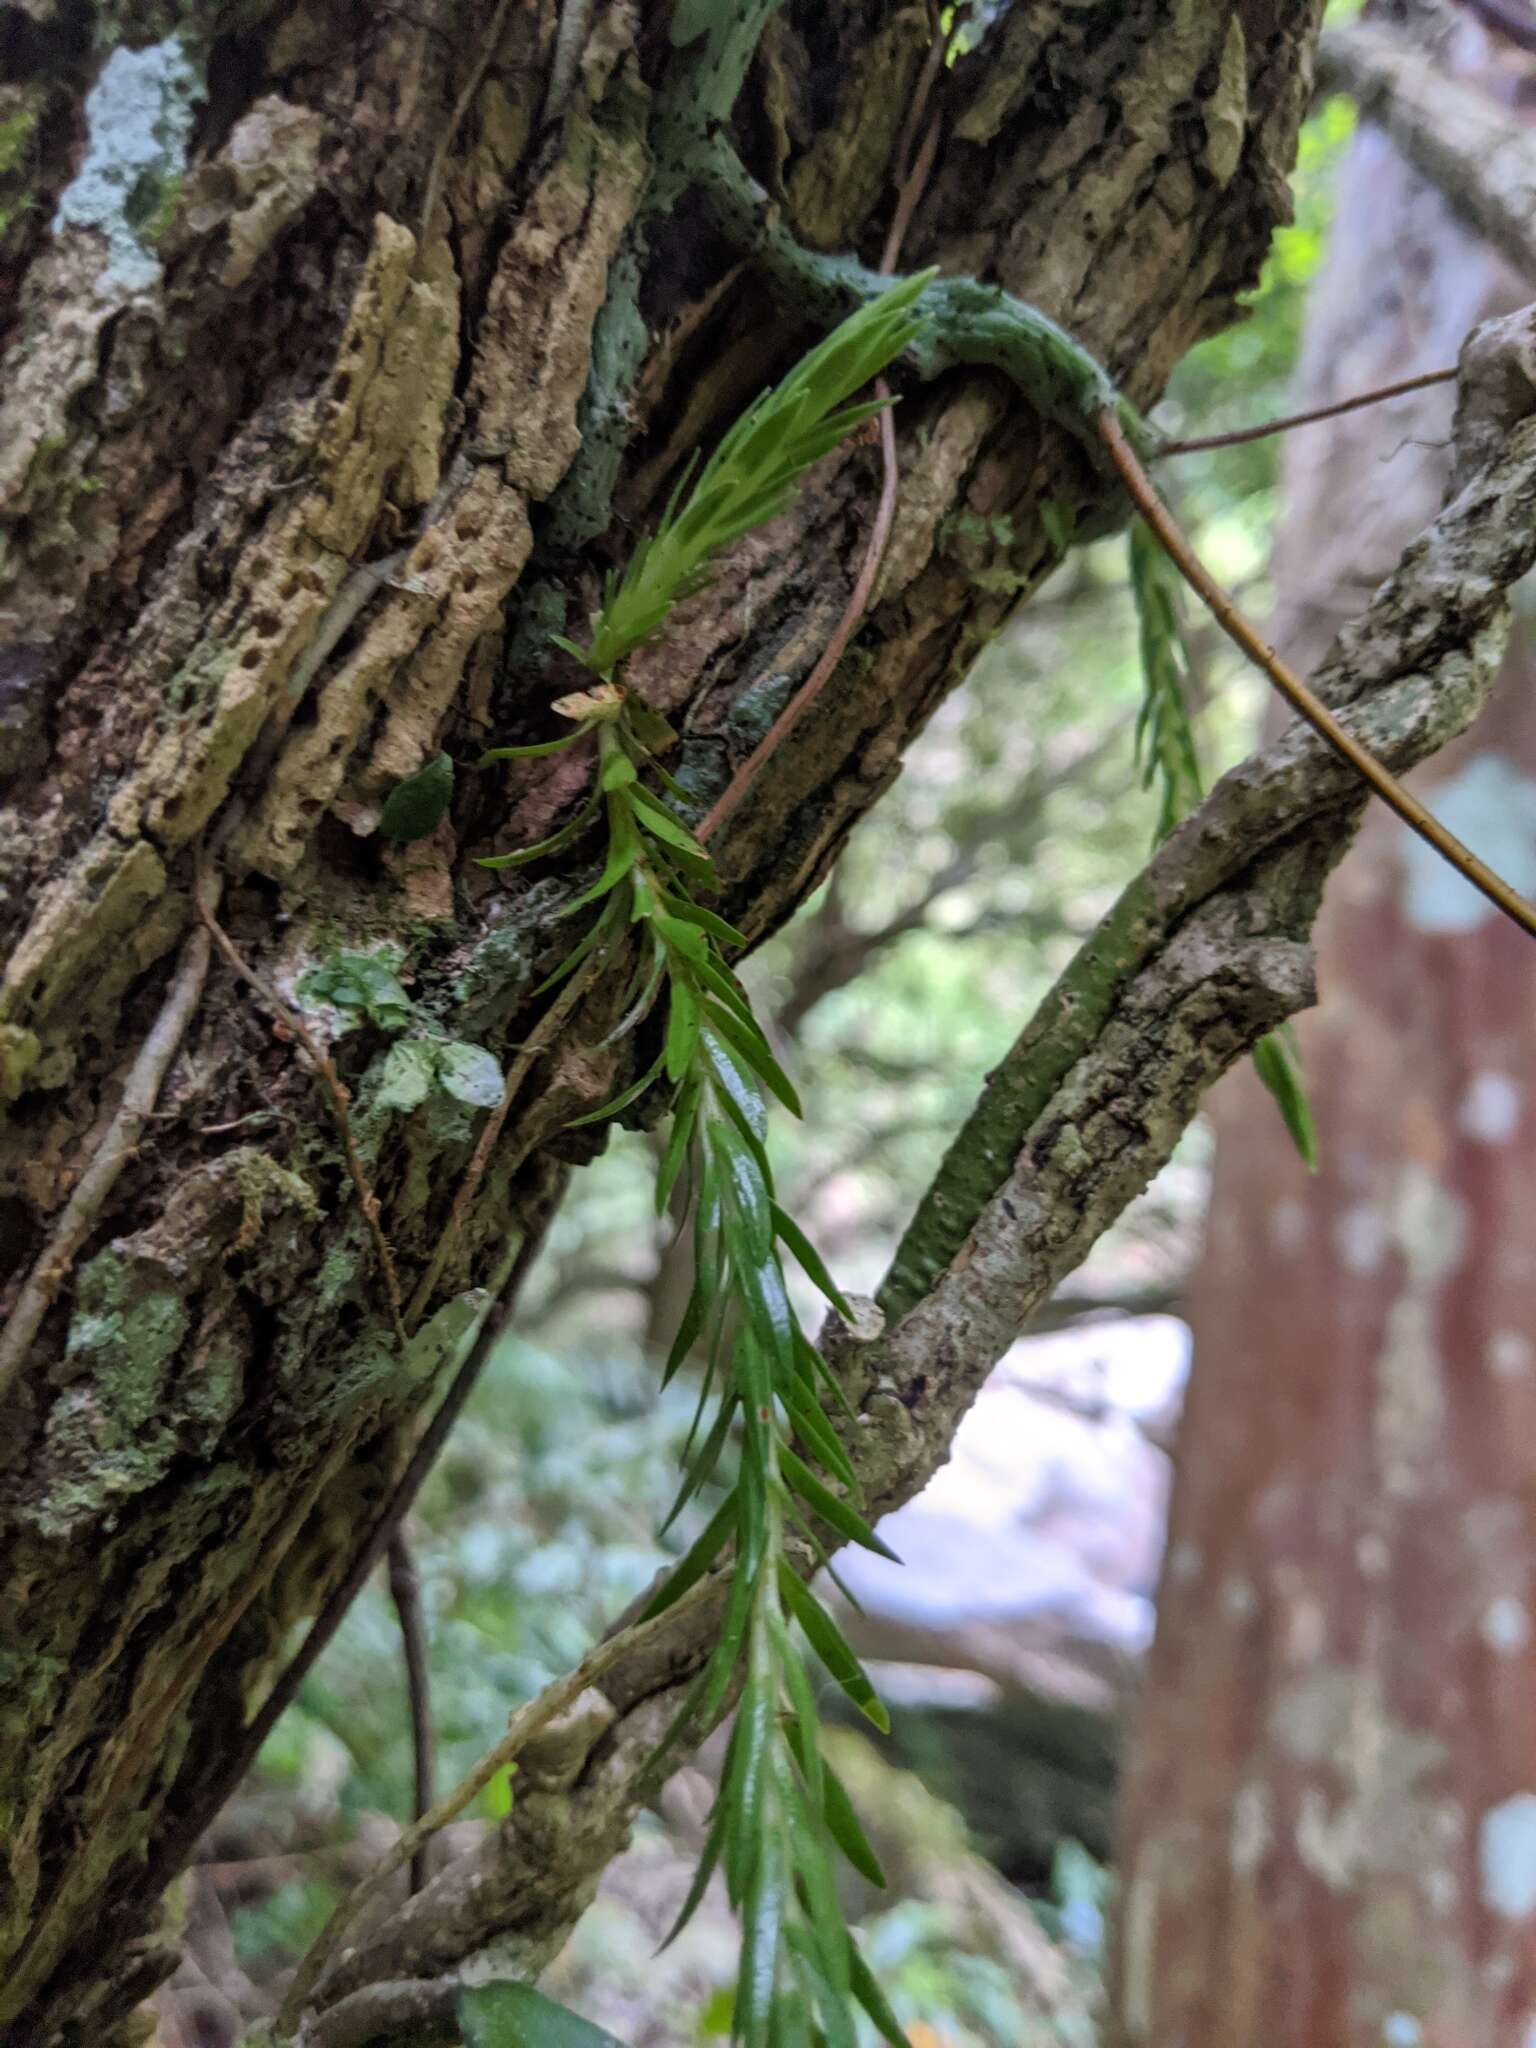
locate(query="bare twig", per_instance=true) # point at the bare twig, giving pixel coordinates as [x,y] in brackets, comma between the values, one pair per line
[386,2012]
[1284,424]
[1295,692]
[1064,1311]
[173,1850]
[874,552]
[461,107]
[928,78]
[357,592]
[729,798]
[405,1591]
[1512,20]
[335,1092]
[140,1093]
[522,1726]
[913,185]
[1480,156]
[544,1034]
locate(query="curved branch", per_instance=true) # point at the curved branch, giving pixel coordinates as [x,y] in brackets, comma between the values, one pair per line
[1204,954]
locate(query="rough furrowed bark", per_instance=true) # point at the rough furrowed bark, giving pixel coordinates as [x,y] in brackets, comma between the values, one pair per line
[1206,952]
[297,375]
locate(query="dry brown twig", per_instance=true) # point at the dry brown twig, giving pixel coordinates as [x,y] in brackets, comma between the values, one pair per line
[914,180]
[141,1091]
[405,1592]
[522,1726]
[336,1093]
[1143,495]
[1287,421]
[532,1049]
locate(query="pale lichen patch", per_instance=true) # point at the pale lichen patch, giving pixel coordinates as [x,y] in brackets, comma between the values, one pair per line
[1490,805]
[1252,1829]
[139,117]
[1430,1228]
[1373,1810]
[1157,1885]
[1505,1625]
[1489,1112]
[1506,1856]
[1409,1417]
[1510,1353]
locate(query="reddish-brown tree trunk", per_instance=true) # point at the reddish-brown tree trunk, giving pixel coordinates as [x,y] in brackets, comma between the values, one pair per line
[1329,1834]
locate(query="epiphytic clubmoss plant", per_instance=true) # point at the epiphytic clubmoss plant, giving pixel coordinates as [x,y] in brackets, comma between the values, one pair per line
[781,1813]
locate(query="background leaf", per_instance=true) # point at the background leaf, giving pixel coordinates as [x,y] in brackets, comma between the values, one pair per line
[414,806]
[517,2016]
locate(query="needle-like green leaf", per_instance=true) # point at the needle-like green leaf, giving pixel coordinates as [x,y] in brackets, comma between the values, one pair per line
[706,1548]
[837,1513]
[831,1646]
[781,1812]
[812,1261]
[1277,1066]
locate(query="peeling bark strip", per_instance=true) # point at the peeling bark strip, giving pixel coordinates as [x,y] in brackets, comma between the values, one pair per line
[284,433]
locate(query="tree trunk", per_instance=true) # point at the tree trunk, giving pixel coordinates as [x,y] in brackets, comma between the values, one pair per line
[1329,1832]
[301,460]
